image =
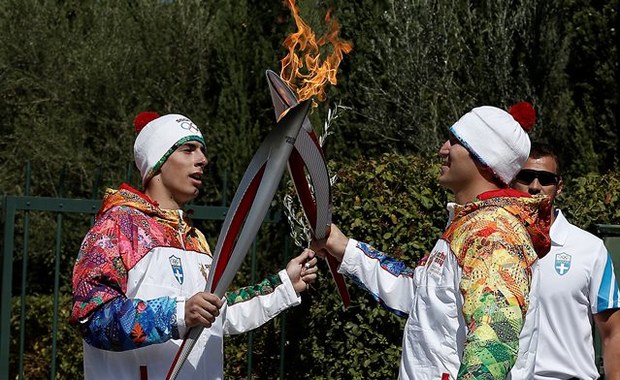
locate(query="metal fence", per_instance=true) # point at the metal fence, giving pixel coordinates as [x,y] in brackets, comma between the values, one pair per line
[15,285]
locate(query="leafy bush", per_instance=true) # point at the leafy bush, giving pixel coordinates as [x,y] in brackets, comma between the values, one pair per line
[39,313]
[394,203]
[592,199]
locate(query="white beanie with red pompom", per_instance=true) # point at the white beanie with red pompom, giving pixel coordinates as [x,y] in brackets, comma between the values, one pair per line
[498,139]
[158,137]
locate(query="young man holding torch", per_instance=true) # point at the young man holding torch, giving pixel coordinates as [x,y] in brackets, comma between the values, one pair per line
[140,274]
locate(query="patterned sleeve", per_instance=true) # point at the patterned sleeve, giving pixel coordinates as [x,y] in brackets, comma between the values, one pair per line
[252,306]
[388,280]
[243,294]
[495,286]
[104,315]
[125,324]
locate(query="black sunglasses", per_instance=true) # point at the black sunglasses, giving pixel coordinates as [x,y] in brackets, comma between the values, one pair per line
[526,176]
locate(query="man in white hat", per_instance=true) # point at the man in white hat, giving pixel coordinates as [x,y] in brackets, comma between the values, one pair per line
[140,274]
[466,301]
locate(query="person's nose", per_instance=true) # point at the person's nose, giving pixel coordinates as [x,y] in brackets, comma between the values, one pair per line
[535,187]
[202,160]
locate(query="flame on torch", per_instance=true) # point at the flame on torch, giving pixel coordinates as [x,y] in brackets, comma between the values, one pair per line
[316,72]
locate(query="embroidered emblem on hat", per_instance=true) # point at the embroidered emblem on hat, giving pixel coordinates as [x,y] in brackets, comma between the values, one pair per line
[188,125]
[562,263]
[177,268]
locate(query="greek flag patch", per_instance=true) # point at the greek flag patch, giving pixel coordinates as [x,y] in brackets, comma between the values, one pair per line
[177,268]
[562,263]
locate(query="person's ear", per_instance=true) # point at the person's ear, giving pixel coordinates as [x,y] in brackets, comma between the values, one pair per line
[559,186]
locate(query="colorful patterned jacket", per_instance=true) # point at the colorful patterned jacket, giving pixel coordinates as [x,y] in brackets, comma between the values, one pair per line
[466,301]
[135,269]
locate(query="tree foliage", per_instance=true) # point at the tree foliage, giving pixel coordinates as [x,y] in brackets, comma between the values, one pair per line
[74,74]
[419,65]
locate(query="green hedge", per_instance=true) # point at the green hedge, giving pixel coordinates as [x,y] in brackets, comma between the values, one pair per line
[592,199]
[38,339]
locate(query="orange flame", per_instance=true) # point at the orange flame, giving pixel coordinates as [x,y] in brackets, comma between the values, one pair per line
[316,74]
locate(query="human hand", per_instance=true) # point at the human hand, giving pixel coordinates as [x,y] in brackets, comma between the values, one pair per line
[201,309]
[302,270]
[334,243]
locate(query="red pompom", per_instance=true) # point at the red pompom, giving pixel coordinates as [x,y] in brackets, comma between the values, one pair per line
[525,114]
[143,119]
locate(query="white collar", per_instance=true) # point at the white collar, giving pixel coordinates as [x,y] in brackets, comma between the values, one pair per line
[559,229]
[450,207]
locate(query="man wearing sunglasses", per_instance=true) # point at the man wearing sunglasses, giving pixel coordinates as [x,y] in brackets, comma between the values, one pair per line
[577,285]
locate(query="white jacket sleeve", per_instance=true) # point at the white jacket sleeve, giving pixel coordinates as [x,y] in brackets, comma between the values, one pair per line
[259,304]
[388,280]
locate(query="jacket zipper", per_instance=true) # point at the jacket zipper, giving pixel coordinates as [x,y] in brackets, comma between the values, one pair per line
[180,229]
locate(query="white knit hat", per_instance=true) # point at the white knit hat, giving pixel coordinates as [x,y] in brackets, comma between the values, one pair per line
[158,137]
[498,139]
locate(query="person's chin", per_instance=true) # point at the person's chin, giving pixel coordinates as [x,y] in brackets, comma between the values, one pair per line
[446,182]
[193,193]
[190,194]
[442,179]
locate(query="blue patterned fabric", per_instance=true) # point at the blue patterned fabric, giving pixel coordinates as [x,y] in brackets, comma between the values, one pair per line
[125,324]
[389,264]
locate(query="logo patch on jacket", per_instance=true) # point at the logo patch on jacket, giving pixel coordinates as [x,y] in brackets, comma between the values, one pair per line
[177,268]
[435,262]
[562,263]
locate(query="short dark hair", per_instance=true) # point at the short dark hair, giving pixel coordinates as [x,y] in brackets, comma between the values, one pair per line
[539,150]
